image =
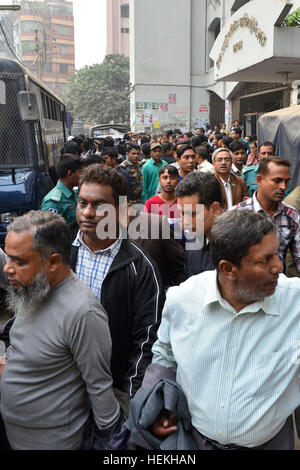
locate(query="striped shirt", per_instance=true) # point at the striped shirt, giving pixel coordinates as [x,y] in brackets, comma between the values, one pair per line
[93,266]
[238,371]
[286,221]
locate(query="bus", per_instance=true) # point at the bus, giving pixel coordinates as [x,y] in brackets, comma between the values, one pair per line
[116,131]
[33,130]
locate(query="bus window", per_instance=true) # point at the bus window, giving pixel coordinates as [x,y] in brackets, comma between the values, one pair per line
[48,107]
[16,146]
[38,141]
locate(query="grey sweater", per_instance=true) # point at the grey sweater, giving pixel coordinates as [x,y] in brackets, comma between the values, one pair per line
[58,364]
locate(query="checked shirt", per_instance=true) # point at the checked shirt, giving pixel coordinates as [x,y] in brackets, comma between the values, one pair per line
[286,221]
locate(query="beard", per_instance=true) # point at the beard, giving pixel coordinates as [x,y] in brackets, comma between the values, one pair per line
[242,293]
[26,300]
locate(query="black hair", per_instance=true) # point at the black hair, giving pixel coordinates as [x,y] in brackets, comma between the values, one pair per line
[237,130]
[168,146]
[107,177]
[227,141]
[267,144]
[204,184]
[237,145]
[263,168]
[145,139]
[66,163]
[110,152]
[232,245]
[133,146]
[197,140]
[108,142]
[93,159]
[183,149]
[202,151]
[72,147]
[146,150]
[171,169]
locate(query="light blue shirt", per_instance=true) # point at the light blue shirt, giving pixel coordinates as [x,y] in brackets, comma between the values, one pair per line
[239,371]
[93,266]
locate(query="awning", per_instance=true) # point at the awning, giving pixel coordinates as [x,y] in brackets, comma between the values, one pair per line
[251,49]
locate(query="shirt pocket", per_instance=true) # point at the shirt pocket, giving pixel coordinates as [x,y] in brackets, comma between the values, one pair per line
[268,374]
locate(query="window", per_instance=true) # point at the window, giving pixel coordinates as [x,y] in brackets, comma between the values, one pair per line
[49,67]
[62,29]
[124,30]
[236,4]
[28,46]
[31,26]
[212,34]
[63,49]
[125,11]
[63,68]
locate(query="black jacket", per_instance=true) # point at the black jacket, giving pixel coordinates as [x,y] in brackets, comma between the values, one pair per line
[198,261]
[133,298]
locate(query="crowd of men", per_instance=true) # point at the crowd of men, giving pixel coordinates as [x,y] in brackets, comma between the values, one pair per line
[155,269]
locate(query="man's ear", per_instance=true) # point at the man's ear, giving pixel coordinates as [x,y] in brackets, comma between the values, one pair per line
[228,269]
[216,208]
[54,261]
[259,178]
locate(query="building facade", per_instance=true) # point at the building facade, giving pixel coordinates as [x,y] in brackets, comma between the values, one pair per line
[44,40]
[195,62]
[118,31]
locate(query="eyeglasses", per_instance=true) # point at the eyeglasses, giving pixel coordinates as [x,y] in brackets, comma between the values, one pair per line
[220,160]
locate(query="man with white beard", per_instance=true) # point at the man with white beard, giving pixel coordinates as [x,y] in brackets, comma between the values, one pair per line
[58,363]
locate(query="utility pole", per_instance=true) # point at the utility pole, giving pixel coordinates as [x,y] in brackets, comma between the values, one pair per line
[38,55]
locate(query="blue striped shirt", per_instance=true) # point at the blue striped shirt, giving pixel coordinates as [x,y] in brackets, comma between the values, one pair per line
[239,371]
[93,266]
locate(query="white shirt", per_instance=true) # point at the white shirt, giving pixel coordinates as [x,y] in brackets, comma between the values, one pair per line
[239,371]
[206,167]
[227,187]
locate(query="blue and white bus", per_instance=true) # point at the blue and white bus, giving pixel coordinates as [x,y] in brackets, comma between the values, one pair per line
[33,131]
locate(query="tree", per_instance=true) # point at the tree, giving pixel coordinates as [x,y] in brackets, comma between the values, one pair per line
[100,93]
[293,19]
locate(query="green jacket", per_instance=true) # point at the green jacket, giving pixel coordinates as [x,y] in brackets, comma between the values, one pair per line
[150,178]
[61,201]
[249,174]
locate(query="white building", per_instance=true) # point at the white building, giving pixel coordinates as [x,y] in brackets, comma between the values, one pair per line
[200,61]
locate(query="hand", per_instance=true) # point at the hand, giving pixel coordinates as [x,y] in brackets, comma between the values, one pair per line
[163,426]
[2,365]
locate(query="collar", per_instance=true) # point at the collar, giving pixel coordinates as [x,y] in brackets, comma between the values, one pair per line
[112,250]
[225,182]
[258,208]
[129,163]
[203,164]
[155,164]
[64,189]
[236,170]
[268,305]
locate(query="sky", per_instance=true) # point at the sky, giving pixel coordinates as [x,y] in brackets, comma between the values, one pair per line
[90,32]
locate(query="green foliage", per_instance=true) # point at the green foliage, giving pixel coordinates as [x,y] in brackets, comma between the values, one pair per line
[99,93]
[293,19]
